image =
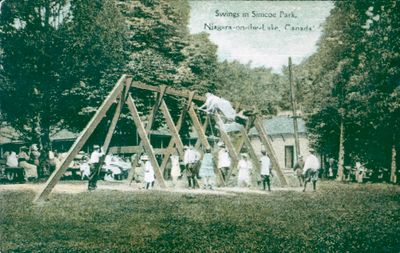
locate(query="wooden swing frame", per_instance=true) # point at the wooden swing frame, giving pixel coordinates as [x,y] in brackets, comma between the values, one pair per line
[120,95]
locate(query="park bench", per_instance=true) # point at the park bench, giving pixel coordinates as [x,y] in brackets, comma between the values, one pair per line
[12,174]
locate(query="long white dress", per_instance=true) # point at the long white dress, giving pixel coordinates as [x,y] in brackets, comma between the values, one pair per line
[148,172]
[12,160]
[244,172]
[109,166]
[85,170]
[224,161]
[175,169]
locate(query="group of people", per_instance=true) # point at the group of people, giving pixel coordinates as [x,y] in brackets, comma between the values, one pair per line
[196,166]
[27,158]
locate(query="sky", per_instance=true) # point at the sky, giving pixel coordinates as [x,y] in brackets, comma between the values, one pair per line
[264,33]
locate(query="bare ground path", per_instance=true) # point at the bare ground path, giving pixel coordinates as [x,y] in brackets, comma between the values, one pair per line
[73,187]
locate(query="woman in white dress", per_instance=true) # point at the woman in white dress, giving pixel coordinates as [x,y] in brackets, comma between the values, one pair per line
[12,160]
[244,171]
[175,169]
[148,173]
[112,171]
[84,168]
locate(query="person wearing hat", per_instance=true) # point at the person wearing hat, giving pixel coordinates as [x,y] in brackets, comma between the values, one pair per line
[35,154]
[298,169]
[207,169]
[224,160]
[148,172]
[191,161]
[84,167]
[310,170]
[265,165]
[244,166]
[94,163]
[30,169]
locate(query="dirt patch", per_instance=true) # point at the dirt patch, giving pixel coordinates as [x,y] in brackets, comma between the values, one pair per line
[74,187]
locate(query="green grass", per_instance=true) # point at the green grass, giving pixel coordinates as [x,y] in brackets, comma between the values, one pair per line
[337,218]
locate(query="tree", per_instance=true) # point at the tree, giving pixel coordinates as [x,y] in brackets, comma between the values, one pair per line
[162,52]
[52,49]
[252,87]
[356,63]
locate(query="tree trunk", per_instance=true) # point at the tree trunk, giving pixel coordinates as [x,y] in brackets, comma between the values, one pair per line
[341,154]
[393,174]
[42,135]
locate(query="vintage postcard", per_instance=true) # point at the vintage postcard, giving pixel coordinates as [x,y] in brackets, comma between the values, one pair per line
[199,126]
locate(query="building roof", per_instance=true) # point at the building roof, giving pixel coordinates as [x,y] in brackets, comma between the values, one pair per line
[63,134]
[8,135]
[281,125]
[274,126]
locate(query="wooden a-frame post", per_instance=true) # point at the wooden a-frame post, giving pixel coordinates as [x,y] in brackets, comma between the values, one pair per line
[149,125]
[245,140]
[265,141]
[178,126]
[247,128]
[199,129]
[83,137]
[252,153]
[121,102]
[229,146]
[145,140]
[174,131]
[205,124]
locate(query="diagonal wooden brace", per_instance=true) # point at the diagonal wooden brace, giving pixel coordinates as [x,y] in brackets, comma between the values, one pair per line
[205,124]
[265,141]
[228,144]
[252,152]
[152,116]
[172,128]
[199,128]
[146,143]
[241,142]
[170,148]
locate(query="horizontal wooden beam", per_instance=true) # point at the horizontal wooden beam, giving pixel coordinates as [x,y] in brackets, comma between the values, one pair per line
[180,93]
[134,150]
[169,91]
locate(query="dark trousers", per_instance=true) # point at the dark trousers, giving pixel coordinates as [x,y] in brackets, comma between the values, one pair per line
[266,181]
[311,176]
[224,172]
[149,184]
[94,175]
[191,173]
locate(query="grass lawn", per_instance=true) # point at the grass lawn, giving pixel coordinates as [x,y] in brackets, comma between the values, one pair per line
[336,218]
